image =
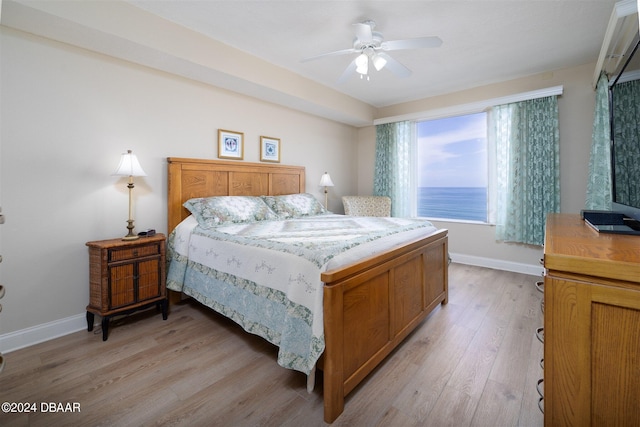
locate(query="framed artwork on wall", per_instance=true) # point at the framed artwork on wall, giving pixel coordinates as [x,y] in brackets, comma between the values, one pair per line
[269,149]
[230,144]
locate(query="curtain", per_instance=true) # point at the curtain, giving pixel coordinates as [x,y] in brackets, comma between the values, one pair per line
[394,174]
[526,139]
[599,185]
[626,142]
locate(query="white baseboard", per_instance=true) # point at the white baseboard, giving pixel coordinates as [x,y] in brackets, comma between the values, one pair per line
[48,331]
[40,333]
[531,269]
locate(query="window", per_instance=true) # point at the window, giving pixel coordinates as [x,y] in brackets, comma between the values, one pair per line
[452,161]
[453,149]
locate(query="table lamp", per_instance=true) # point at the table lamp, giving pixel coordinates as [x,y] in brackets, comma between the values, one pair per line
[325,181]
[129,166]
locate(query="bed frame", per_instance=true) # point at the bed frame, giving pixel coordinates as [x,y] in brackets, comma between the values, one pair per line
[369,307]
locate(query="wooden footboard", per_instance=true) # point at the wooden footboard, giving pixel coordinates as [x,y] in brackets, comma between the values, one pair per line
[370,307]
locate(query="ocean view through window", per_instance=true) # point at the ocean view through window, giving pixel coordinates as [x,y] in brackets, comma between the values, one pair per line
[452,168]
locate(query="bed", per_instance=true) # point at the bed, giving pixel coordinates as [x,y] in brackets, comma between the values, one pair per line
[368,304]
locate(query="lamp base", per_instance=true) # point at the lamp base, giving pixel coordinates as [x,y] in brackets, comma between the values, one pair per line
[130,227]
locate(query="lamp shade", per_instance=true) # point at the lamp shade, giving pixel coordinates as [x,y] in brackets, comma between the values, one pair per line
[129,166]
[362,63]
[379,61]
[325,180]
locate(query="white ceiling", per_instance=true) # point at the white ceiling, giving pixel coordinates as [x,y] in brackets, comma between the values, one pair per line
[483,41]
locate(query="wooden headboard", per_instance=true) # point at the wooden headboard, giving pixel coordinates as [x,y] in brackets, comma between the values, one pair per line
[189,178]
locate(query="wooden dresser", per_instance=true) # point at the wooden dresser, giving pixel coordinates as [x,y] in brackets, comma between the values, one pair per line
[591,325]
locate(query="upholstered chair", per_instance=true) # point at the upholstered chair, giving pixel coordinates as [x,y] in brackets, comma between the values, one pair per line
[367,205]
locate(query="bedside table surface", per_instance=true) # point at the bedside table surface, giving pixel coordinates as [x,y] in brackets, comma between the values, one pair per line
[112,243]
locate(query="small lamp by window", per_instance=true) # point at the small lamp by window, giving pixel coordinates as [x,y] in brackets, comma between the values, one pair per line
[129,166]
[325,181]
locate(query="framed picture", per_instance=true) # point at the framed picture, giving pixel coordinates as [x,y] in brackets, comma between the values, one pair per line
[230,144]
[269,149]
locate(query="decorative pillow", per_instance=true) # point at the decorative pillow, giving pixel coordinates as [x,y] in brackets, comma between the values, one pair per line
[214,211]
[294,205]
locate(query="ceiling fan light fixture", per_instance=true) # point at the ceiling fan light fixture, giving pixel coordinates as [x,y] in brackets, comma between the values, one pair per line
[378,62]
[362,64]
[371,45]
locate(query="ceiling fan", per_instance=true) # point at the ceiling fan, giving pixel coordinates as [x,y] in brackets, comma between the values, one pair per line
[371,46]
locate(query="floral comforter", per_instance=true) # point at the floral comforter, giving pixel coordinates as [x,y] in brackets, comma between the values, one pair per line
[266,275]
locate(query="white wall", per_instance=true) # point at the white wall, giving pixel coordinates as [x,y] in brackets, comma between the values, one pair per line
[68,113]
[476,243]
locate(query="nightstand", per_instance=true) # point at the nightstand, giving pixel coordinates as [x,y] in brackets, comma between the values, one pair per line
[125,276]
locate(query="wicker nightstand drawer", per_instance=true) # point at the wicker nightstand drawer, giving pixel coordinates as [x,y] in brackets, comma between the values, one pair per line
[136,252]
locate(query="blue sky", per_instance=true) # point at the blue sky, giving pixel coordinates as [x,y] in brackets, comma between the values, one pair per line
[452,152]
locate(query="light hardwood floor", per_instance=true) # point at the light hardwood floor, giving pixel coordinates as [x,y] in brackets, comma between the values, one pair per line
[473,362]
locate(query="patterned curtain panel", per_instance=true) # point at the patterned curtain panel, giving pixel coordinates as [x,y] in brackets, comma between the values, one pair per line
[394,171]
[626,115]
[599,184]
[526,139]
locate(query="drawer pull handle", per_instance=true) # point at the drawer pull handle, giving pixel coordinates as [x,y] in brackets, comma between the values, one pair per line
[540,286]
[541,404]
[135,253]
[542,363]
[540,334]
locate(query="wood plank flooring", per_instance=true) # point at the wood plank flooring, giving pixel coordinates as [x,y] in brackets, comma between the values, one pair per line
[473,362]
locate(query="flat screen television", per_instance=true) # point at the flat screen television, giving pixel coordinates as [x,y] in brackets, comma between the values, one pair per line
[624,103]
[624,115]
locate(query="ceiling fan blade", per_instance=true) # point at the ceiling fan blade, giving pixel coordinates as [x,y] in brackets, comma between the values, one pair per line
[364,33]
[351,68]
[336,53]
[394,66]
[417,43]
